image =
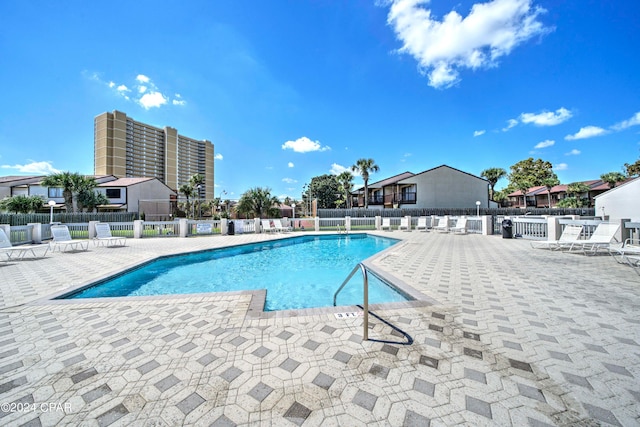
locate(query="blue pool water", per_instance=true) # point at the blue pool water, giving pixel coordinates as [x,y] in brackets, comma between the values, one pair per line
[298,272]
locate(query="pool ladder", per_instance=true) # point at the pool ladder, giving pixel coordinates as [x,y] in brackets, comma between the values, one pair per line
[365,305]
[365,278]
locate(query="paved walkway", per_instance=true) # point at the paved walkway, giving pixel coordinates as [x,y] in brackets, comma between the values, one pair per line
[515,336]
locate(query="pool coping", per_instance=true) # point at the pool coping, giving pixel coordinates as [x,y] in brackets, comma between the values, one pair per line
[257,302]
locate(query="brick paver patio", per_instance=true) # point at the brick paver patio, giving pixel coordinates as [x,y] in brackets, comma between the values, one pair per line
[512,336]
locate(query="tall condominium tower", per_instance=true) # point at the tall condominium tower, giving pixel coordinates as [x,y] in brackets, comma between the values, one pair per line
[127,148]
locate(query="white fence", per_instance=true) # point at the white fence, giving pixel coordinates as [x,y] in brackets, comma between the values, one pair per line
[528,227]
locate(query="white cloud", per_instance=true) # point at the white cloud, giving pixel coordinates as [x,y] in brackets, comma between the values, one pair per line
[38,168]
[111,84]
[633,121]
[561,167]
[179,102]
[304,145]
[573,152]
[142,78]
[152,99]
[545,144]
[510,124]
[218,157]
[442,48]
[123,88]
[479,132]
[586,132]
[337,169]
[547,118]
[289,180]
[290,164]
[142,89]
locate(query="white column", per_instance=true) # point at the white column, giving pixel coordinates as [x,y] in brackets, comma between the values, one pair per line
[554,229]
[183,225]
[36,232]
[347,223]
[378,222]
[92,229]
[487,229]
[317,223]
[224,226]
[257,224]
[138,227]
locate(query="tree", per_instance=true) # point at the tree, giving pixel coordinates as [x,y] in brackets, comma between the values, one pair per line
[188,191]
[90,199]
[70,183]
[612,178]
[493,175]
[574,199]
[345,179]
[549,183]
[364,167]
[633,169]
[325,189]
[530,173]
[22,204]
[258,202]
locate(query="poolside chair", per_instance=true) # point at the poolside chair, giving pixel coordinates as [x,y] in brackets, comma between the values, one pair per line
[404,224]
[600,239]
[460,227]
[19,252]
[277,224]
[267,227]
[627,252]
[62,239]
[386,224]
[442,225]
[422,224]
[570,234]
[104,237]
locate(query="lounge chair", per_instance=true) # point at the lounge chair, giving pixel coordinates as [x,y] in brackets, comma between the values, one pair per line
[570,234]
[277,224]
[460,227]
[19,252]
[104,236]
[600,239]
[62,239]
[442,225]
[627,253]
[267,227]
[404,224]
[422,224]
[386,224]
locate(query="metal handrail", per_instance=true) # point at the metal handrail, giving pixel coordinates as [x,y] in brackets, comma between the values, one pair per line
[365,333]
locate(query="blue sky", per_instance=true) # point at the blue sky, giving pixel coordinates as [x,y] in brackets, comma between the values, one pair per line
[288,90]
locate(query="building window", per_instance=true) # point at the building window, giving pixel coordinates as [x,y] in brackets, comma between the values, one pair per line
[113,193]
[55,192]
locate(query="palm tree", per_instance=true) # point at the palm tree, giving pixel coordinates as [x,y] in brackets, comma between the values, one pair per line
[364,167]
[346,184]
[612,178]
[22,204]
[493,175]
[549,183]
[188,191]
[258,202]
[70,183]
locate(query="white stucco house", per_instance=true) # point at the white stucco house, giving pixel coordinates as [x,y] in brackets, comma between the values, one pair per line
[621,202]
[439,187]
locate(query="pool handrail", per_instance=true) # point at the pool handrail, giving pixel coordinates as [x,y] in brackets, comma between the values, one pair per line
[365,305]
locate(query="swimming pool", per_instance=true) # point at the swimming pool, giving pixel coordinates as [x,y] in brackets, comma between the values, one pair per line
[297,272]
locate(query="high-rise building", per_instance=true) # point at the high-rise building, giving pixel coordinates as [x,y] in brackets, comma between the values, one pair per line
[127,148]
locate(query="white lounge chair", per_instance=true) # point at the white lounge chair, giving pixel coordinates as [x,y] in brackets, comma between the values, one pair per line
[404,224]
[19,252]
[570,234]
[386,224]
[600,239]
[277,224]
[422,224]
[460,227]
[104,236]
[442,225]
[267,227]
[627,252]
[62,239]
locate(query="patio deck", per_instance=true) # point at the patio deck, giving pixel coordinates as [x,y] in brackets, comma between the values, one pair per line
[515,336]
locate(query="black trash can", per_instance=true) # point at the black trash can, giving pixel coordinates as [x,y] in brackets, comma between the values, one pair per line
[507,229]
[231,229]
